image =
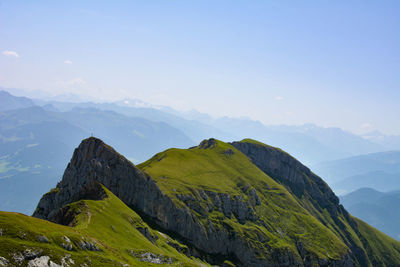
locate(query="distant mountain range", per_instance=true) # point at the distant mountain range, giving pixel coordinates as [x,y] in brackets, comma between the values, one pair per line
[243,204]
[381,210]
[309,143]
[388,141]
[35,143]
[37,135]
[380,171]
[8,101]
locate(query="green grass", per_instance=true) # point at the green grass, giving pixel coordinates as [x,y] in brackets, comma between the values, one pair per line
[180,171]
[381,249]
[284,219]
[255,142]
[108,223]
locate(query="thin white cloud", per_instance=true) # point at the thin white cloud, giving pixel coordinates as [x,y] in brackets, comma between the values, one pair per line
[9,53]
[68,62]
[366,125]
[77,81]
[279,98]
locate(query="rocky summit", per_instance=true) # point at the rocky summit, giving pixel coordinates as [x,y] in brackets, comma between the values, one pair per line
[227,204]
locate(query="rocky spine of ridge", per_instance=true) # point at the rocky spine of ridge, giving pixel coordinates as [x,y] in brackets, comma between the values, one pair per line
[95,162]
[305,185]
[287,170]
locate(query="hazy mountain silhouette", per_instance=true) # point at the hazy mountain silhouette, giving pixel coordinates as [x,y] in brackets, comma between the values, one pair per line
[381,210]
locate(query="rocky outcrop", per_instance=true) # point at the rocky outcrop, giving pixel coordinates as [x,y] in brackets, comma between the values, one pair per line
[284,168]
[230,206]
[4,262]
[96,163]
[151,258]
[93,161]
[308,187]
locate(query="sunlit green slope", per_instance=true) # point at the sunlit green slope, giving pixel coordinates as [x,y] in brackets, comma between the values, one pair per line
[286,217]
[113,231]
[219,167]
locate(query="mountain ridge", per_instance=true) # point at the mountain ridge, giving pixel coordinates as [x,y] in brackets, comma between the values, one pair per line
[205,212]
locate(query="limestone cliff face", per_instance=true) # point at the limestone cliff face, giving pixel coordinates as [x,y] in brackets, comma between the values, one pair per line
[289,171]
[95,162]
[307,187]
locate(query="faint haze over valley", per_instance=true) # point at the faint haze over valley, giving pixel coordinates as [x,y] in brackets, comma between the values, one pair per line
[331,64]
[200,133]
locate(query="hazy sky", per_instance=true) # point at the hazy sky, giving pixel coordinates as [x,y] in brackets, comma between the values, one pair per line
[333,63]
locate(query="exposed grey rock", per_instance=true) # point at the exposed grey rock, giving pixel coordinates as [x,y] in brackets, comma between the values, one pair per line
[286,169]
[42,261]
[27,254]
[94,162]
[86,245]
[146,232]
[209,143]
[66,244]
[203,194]
[67,261]
[18,258]
[31,253]
[1,232]
[4,261]
[302,183]
[43,239]
[53,264]
[253,195]
[66,239]
[179,247]
[229,152]
[152,258]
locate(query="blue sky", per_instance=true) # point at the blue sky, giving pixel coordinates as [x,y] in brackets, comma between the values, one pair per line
[333,63]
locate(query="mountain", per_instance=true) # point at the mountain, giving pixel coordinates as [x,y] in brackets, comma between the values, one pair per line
[138,130]
[195,130]
[35,144]
[381,210]
[336,170]
[98,230]
[228,204]
[8,101]
[309,143]
[377,170]
[390,142]
[378,180]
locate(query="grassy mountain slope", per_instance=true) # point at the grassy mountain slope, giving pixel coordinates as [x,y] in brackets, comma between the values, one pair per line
[220,167]
[242,202]
[108,224]
[314,195]
[382,250]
